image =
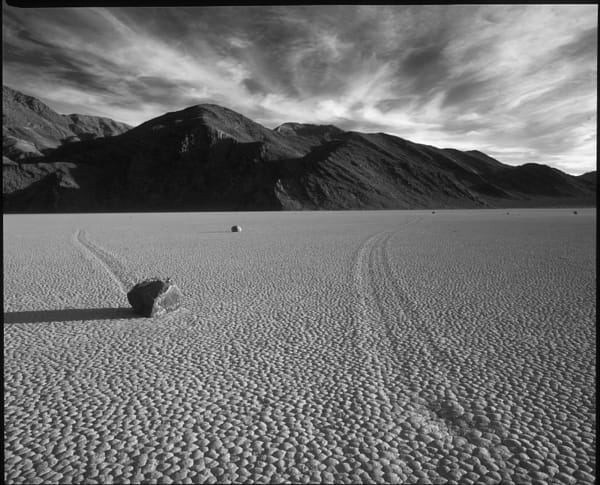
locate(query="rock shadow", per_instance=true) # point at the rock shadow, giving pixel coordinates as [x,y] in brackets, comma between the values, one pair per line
[70,315]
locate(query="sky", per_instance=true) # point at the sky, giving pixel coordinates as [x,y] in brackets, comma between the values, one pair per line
[518,82]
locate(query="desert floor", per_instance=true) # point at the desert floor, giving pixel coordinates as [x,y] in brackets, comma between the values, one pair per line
[391,346]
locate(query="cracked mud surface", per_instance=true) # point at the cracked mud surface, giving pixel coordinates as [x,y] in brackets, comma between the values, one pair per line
[393,346]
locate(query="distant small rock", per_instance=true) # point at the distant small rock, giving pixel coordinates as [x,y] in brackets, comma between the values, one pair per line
[154,297]
[236,229]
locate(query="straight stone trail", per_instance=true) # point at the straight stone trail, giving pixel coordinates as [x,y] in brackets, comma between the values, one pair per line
[114,268]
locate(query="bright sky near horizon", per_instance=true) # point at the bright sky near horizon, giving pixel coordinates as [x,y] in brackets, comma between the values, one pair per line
[518,82]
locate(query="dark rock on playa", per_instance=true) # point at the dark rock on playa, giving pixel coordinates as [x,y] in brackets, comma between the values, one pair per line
[154,297]
[236,229]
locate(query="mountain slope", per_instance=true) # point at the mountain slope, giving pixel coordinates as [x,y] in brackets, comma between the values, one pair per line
[29,127]
[589,178]
[207,157]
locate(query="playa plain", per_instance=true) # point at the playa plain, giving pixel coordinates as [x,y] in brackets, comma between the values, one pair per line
[373,346]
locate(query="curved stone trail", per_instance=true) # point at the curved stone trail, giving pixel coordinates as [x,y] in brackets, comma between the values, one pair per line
[404,326]
[424,374]
[379,331]
[409,360]
[384,328]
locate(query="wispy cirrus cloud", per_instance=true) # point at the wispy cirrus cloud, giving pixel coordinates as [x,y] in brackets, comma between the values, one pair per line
[518,82]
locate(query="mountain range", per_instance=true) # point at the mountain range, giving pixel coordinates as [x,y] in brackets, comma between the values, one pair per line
[207,157]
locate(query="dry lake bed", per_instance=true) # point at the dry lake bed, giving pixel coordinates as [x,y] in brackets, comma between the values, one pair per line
[391,346]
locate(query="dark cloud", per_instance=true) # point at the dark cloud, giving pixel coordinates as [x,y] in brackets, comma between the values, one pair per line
[159,91]
[253,86]
[423,58]
[386,105]
[583,46]
[465,91]
[426,67]
[463,126]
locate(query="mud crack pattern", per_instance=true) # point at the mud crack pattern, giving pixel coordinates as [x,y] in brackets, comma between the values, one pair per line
[372,347]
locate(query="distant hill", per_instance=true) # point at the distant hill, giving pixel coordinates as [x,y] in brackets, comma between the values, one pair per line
[29,127]
[207,157]
[590,178]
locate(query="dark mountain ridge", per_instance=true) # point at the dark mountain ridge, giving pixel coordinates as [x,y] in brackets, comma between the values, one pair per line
[207,157]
